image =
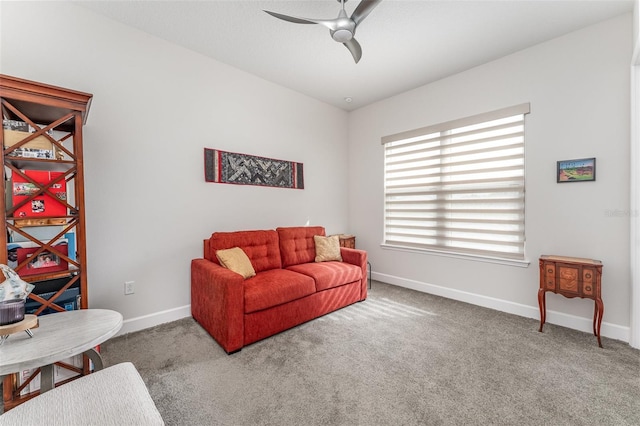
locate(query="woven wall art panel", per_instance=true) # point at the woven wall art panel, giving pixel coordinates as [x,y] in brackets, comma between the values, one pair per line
[243,169]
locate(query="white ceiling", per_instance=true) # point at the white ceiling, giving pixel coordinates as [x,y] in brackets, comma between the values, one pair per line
[405,44]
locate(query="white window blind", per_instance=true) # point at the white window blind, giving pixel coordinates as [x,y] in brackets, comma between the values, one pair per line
[458,187]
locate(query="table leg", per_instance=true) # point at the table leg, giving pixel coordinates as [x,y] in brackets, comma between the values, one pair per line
[46,372]
[597,319]
[542,302]
[96,358]
[46,378]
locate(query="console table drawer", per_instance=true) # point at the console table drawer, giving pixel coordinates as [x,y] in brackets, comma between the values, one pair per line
[569,279]
[550,275]
[588,281]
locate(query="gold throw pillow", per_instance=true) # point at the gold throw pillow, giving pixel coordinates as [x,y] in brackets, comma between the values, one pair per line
[236,260]
[327,248]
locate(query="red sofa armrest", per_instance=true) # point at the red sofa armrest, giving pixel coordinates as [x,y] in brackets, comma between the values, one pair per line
[358,258]
[217,303]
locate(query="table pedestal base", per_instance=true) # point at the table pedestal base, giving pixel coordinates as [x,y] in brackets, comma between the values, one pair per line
[46,371]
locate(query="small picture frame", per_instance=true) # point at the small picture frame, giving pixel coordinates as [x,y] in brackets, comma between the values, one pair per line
[45,259]
[21,257]
[580,170]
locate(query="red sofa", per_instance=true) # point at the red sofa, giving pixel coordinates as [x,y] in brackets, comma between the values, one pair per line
[289,287]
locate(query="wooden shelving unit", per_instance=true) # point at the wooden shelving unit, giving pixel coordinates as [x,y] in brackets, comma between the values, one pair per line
[55,117]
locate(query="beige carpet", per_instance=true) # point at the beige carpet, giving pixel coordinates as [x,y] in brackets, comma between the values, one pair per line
[399,358]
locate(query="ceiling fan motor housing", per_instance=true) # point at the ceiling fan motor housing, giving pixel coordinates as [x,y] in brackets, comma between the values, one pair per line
[343,28]
[341,36]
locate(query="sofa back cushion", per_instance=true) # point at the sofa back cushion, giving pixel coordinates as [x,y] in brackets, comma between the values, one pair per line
[260,246]
[297,245]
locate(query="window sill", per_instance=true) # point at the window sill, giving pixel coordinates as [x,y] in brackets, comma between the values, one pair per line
[486,259]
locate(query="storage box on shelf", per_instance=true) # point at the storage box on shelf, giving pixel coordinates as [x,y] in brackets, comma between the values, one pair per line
[44,223]
[40,146]
[16,131]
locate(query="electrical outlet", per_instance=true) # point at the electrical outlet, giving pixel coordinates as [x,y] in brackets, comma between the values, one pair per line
[129,287]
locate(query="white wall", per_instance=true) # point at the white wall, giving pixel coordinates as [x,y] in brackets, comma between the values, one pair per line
[635,188]
[578,87]
[155,107]
[636,24]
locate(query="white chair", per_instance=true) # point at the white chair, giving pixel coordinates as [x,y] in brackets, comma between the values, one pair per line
[114,396]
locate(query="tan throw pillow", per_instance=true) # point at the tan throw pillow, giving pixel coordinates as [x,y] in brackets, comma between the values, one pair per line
[327,248]
[236,260]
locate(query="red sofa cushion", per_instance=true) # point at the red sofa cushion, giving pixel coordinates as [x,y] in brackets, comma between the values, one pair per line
[297,245]
[260,246]
[275,287]
[329,274]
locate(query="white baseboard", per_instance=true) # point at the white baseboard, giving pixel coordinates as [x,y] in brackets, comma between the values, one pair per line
[612,331]
[609,330]
[140,323]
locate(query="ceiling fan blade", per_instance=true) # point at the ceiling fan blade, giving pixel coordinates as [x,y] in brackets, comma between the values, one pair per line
[291,18]
[329,23]
[364,8]
[354,48]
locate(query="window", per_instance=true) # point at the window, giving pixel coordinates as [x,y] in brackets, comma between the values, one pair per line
[458,187]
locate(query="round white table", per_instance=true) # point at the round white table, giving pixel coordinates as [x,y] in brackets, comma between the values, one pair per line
[59,336]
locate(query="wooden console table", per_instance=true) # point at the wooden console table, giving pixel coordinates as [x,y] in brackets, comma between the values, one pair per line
[571,277]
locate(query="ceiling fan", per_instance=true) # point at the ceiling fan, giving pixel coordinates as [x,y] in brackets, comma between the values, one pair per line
[342,28]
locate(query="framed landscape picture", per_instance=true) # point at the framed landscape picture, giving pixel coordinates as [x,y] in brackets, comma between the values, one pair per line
[582,170]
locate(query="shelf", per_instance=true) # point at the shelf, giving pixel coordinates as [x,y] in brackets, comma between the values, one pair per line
[50,275]
[40,164]
[24,207]
[40,221]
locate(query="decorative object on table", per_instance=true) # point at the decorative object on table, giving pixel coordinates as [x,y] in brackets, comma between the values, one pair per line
[13,293]
[28,322]
[243,169]
[11,311]
[582,170]
[13,287]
